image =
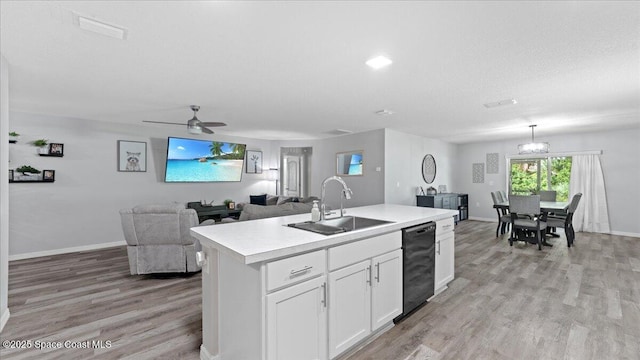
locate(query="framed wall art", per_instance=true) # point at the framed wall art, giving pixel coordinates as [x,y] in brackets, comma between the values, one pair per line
[48,175]
[56,149]
[132,156]
[254,162]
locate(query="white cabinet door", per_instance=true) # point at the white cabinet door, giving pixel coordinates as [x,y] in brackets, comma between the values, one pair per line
[386,288]
[297,322]
[350,306]
[445,261]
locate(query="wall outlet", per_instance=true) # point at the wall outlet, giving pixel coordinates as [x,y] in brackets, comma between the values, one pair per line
[378,169]
[477,204]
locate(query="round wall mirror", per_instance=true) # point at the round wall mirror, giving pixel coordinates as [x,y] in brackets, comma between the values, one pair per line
[429,168]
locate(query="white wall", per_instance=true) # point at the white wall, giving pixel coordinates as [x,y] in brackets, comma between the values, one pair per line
[81,208]
[403,174]
[367,189]
[621,149]
[4,191]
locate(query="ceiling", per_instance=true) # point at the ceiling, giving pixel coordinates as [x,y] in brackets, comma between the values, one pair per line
[295,69]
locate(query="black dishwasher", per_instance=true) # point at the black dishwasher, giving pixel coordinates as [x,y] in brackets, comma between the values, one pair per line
[418,248]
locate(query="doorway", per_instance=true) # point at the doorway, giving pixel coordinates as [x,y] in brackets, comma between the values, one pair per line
[296,171]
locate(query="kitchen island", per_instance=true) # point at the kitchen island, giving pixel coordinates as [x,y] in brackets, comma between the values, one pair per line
[270,291]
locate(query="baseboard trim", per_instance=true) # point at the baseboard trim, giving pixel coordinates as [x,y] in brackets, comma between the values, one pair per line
[204,354]
[4,318]
[482,219]
[623,233]
[66,250]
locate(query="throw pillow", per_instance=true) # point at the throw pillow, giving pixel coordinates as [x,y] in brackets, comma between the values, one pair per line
[272,200]
[284,200]
[258,199]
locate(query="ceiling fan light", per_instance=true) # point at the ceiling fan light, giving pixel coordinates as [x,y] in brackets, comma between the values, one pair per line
[193,127]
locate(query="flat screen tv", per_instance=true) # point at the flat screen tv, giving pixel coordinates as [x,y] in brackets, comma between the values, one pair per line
[191,160]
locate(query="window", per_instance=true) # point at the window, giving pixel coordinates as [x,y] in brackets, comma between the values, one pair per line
[530,175]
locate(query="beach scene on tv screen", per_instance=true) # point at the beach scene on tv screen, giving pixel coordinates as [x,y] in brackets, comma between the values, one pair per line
[190,160]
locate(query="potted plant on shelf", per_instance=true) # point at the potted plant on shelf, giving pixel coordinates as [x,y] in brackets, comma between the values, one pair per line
[28,172]
[42,145]
[13,137]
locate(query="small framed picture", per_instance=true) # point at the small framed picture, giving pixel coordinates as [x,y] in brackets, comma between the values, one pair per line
[132,156]
[254,162]
[48,175]
[56,149]
[232,205]
[10,175]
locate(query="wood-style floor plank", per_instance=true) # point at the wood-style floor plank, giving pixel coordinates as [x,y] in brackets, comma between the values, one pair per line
[505,303]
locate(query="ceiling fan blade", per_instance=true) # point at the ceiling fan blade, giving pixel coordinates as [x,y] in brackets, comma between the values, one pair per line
[206,130]
[212,124]
[162,122]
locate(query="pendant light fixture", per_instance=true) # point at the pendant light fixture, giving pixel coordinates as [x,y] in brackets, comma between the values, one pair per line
[533,147]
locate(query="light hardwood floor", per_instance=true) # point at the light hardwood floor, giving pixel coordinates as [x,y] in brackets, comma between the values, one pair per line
[506,303]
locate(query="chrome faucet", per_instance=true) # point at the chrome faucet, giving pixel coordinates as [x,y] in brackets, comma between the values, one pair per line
[344,193]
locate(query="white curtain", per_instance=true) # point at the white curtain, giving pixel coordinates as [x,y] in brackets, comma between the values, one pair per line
[587,178]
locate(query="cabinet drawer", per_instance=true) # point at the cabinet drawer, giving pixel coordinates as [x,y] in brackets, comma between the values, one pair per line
[292,270]
[354,252]
[444,226]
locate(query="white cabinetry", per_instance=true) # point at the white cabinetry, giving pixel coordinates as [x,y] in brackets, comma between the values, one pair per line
[365,289]
[297,322]
[445,257]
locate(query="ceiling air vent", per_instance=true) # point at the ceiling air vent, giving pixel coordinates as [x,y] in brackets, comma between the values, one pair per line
[99,27]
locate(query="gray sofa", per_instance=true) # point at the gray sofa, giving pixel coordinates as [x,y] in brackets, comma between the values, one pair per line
[158,238]
[253,212]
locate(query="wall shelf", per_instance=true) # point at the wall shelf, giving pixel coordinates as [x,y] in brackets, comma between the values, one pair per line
[52,155]
[31,181]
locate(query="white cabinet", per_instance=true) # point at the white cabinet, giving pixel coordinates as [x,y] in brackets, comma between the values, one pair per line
[366,294]
[445,254]
[350,306]
[297,322]
[386,288]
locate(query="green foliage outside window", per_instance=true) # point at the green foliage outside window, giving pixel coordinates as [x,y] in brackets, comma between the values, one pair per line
[524,176]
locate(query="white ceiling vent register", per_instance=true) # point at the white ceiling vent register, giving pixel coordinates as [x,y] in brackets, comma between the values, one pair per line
[99,27]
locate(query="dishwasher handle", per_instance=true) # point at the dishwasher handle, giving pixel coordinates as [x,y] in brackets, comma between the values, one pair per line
[419,229]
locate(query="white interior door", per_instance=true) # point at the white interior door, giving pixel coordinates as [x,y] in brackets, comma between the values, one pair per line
[291,178]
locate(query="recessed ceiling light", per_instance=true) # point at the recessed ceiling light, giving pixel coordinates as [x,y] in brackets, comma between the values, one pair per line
[378,62]
[500,103]
[99,27]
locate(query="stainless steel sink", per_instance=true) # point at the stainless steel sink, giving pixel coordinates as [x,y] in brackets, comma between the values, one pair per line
[338,225]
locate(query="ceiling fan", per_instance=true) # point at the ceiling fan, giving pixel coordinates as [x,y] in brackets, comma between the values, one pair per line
[194,126]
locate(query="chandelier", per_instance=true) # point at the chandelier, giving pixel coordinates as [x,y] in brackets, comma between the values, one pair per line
[533,147]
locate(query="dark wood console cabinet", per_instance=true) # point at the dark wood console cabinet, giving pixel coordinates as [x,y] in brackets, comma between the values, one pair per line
[451,201]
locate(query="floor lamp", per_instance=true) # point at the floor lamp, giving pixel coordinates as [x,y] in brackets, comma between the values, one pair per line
[273,176]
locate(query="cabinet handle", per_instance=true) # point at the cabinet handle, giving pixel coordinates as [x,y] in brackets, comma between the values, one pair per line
[446,226]
[324,295]
[301,271]
[378,273]
[369,275]
[438,247]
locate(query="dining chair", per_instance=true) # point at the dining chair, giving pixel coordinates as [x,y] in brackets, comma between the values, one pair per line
[504,195]
[547,195]
[524,228]
[566,221]
[503,217]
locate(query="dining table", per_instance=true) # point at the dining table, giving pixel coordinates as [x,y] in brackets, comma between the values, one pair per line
[546,207]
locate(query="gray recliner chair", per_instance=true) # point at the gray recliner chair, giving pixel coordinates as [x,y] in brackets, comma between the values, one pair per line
[158,239]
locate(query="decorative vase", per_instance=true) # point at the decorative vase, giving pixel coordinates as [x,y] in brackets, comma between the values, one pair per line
[43,150]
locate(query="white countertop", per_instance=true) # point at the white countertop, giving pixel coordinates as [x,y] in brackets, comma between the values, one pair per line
[268,239]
